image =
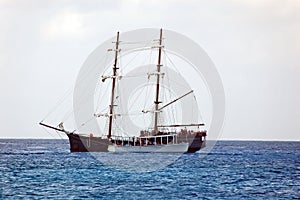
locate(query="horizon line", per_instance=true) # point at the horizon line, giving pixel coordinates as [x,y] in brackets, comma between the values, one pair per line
[252,140]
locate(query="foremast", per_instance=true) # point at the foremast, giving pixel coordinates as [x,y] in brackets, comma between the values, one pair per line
[156,102]
[114,76]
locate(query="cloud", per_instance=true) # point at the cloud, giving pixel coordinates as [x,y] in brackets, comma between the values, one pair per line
[254,44]
[65,24]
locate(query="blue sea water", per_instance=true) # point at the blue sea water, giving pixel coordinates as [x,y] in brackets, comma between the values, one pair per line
[44,169]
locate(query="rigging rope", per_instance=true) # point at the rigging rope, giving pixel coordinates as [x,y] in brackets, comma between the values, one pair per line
[59,103]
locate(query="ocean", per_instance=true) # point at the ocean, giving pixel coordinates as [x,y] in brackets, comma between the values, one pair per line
[44,169]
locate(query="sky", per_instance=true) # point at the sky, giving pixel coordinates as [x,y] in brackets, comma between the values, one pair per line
[254,44]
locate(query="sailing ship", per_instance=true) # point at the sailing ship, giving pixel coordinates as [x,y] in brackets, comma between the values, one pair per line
[170,138]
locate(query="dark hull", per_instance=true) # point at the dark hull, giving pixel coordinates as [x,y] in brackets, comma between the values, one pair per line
[80,143]
[195,143]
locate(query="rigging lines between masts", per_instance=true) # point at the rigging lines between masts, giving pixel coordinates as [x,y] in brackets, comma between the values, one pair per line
[114,76]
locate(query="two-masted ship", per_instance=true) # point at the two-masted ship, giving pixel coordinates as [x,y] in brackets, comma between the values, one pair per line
[171,138]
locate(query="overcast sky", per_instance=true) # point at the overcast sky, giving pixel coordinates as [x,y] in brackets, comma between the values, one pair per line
[254,44]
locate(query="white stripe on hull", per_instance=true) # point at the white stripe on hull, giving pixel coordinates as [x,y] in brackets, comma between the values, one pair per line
[169,148]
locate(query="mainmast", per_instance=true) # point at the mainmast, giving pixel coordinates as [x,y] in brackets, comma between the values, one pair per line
[156,102]
[111,107]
